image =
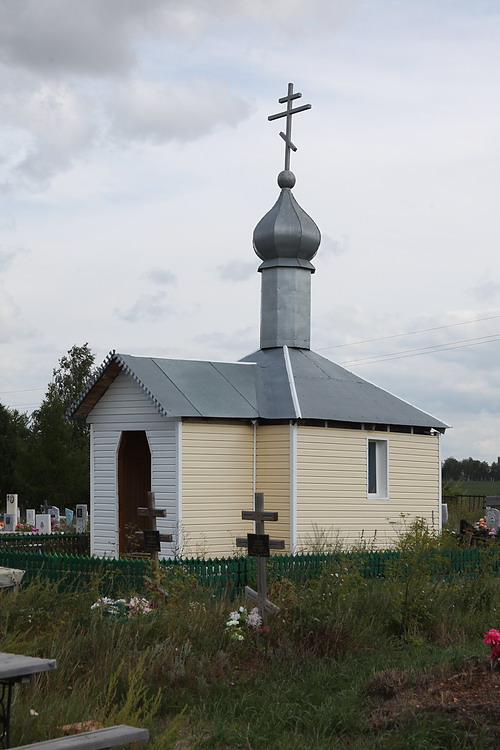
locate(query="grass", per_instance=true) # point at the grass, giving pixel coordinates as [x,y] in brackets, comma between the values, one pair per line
[475,488]
[303,685]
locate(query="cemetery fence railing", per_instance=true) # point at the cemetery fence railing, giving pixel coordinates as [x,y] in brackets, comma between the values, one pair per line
[232,574]
[62,542]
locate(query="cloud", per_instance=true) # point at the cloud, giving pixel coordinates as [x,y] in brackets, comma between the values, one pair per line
[484,446]
[57,123]
[161,277]
[6,258]
[147,307]
[12,326]
[488,291]
[330,246]
[219,343]
[158,112]
[99,37]
[91,37]
[237,270]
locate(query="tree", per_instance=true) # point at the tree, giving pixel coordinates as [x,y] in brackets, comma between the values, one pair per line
[59,450]
[452,470]
[14,435]
[495,471]
[470,470]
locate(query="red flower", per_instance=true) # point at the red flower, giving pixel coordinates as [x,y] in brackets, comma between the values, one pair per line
[492,637]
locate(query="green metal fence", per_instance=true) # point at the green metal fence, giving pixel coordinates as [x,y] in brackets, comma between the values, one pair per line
[233,573]
[70,544]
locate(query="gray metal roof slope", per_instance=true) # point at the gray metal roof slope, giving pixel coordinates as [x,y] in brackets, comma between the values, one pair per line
[179,387]
[213,389]
[326,391]
[274,398]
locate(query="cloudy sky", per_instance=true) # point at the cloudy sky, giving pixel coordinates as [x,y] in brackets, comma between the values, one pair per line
[136,158]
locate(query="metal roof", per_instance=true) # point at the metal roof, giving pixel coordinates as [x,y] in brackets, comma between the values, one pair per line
[178,387]
[270,384]
[326,391]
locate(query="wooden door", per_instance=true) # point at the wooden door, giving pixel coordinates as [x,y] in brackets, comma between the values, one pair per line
[134,482]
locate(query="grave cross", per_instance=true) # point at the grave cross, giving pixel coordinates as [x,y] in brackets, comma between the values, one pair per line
[259,545]
[152,536]
[287,137]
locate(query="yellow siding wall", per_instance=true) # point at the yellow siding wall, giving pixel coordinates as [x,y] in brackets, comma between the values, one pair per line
[332,500]
[217,484]
[273,476]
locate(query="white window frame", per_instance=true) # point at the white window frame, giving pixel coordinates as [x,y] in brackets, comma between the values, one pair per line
[381,468]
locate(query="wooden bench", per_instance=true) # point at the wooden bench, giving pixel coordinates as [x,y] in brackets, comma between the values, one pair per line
[98,739]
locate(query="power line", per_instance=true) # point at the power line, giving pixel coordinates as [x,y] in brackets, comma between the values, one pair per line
[425,350]
[409,333]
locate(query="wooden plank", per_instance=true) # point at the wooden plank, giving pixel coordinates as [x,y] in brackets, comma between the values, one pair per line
[268,606]
[152,512]
[254,515]
[17,665]
[122,734]
[163,537]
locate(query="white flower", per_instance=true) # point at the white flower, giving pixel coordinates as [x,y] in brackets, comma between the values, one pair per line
[229,623]
[140,605]
[33,712]
[254,619]
[234,616]
[242,609]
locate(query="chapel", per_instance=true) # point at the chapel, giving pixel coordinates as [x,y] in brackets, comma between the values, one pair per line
[337,457]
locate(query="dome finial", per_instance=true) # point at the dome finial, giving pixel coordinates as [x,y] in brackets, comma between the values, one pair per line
[286,235]
[286,239]
[287,137]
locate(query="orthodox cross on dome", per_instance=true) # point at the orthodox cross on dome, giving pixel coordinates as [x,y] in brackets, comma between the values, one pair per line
[287,137]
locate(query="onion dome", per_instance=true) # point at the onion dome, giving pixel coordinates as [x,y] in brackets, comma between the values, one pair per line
[286,235]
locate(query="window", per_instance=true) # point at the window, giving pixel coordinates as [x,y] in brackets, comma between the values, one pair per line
[377,469]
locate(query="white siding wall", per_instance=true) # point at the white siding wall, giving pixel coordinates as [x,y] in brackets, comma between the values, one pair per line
[124,407]
[104,493]
[162,445]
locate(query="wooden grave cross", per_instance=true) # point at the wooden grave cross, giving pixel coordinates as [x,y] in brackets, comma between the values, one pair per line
[152,537]
[259,545]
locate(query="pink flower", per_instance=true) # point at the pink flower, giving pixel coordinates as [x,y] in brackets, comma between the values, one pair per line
[492,637]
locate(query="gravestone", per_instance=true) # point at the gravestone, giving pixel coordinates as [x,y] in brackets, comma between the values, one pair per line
[12,507]
[492,518]
[82,515]
[55,514]
[43,524]
[69,516]
[9,522]
[30,516]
